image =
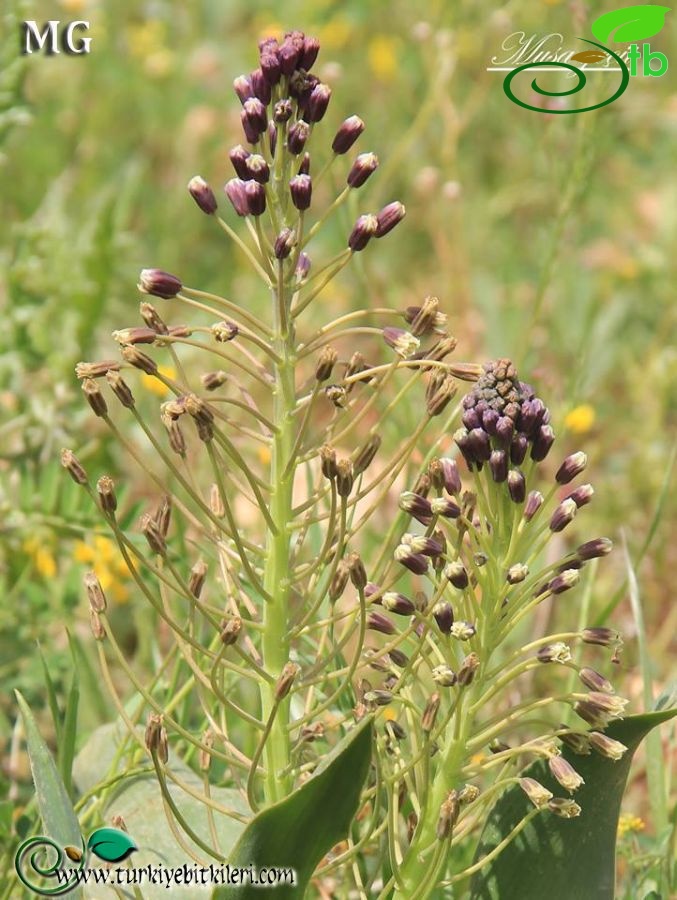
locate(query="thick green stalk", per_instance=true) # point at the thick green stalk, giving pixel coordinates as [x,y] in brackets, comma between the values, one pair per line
[277,575]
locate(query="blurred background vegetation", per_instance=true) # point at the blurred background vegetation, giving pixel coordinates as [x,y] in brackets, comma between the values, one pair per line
[549,239]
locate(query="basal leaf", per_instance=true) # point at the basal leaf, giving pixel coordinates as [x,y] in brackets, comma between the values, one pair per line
[563,859]
[56,811]
[297,832]
[111,844]
[632,23]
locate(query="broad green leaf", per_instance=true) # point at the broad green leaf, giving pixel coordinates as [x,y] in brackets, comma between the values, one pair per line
[563,859]
[58,818]
[297,832]
[632,23]
[111,844]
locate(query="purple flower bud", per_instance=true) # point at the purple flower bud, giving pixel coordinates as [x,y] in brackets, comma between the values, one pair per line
[489,421]
[282,112]
[533,504]
[378,622]
[363,230]
[256,197]
[516,486]
[272,138]
[571,467]
[303,266]
[235,191]
[420,543]
[471,419]
[270,65]
[498,463]
[594,549]
[443,615]
[444,506]
[203,195]
[416,506]
[257,168]
[478,441]
[260,86]
[543,441]
[390,216]
[255,113]
[607,746]
[297,136]
[348,133]
[251,133]
[243,88]
[603,637]
[398,604]
[518,449]
[461,438]
[304,166]
[565,773]
[159,283]
[595,681]
[455,573]
[301,188]
[311,47]
[284,243]
[415,562]
[289,55]
[318,102]
[238,157]
[361,169]
[505,430]
[452,478]
[564,581]
[582,495]
[563,515]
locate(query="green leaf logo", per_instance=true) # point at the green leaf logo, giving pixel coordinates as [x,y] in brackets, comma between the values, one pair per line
[110,844]
[633,23]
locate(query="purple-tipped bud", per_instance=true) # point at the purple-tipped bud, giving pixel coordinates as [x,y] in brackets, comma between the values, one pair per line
[516,486]
[443,614]
[563,515]
[301,189]
[203,195]
[533,504]
[446,507]
[361,169]
[238,157]
[311,47]
[303,266]
[159,283]
[398,604]
[272,138]
[420,543]
[557,652]
[297,137]
[498,463]
[390,216]
[402,342]
[505,429]
[378,622]
[398,658]
[571,467]
[595,681]
[270,65]
[564,581]
[594,549]
[318,102]
[543,441]
[282,111]
[582,495]
[416,506]
[603,637]
[363,231]
[261,86]
[255,111]
[304,166]
[257,168]
[348,133]
[415,562]
[518,449]
[452,477]
[479,444]
[606,746]
[517,573]
[535,791]
[289,54]
[256,197]
[284,243]
[489,421]
[455,573]
[469,666]
[236,193]
[243,88]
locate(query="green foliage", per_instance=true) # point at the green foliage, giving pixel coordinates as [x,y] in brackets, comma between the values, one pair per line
[631,23]
[564,858]
[297,832]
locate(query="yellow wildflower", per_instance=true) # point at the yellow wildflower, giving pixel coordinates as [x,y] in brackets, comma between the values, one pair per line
[42,557]
[264,455]
[155,385]
[269,29]
[390,714]
[382,56]
[580,419]
[336,33]
[628,823]
[104,557]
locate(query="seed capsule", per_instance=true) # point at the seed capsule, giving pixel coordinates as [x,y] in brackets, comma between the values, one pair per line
[95,594]
[449,812]
[325,364]
[156,738]
[430,713]
[344,477]
[339,581]
[120,388]
[72,465]
[94,397]
[96,626]
[358,574]
[286,679]
[197,578]
[469,666]
[106,490]
[230,631]
[366,454]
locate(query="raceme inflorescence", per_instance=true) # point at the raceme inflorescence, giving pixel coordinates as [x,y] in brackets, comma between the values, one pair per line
[302,570]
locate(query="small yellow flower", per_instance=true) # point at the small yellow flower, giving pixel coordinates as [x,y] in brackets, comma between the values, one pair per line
[264,455]
[156,385]
[580,419]
[389,714]
[628,823]
[42,557]
[104,557]
[336,33]
[382,56]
